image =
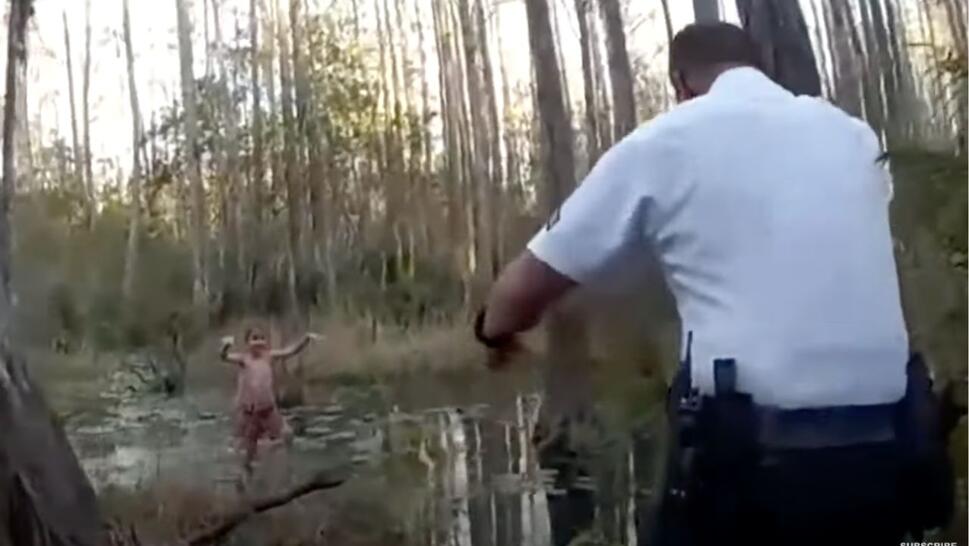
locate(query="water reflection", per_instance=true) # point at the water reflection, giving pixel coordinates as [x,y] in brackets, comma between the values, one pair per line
[484,478]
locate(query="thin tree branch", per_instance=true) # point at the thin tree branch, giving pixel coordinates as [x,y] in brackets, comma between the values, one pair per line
[323,480]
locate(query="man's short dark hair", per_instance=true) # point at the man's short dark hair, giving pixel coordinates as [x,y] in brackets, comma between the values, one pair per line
[704,46]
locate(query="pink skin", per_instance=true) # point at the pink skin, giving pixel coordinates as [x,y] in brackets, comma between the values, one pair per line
[254,387]
[255,401]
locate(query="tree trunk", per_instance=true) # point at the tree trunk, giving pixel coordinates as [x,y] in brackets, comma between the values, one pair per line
[620,73]
[86,105]
[600,83]
[479,194]
[465,196]
[199,223]
[293,187]
[847,69]
[667,21]
[233,238]
[426,167]
[933,91]
[426,109]
[823,69]
[914,108]
[257,176]
[320,210]
[706,11]
[75,141]
[45,498]
[588,87]
[871,85]
[511,153]
[494,144]
[134,214]
[269,76]
[563,68]
[385,107]
[567,349]
[779,30]
[885,69]
[452,170]
[955,12]
[408,135]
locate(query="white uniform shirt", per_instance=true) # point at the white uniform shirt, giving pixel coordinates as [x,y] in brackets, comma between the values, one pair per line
[769,214]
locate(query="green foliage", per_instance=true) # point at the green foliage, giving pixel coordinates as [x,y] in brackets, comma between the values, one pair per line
[381,291]
[68,279]
[932,192]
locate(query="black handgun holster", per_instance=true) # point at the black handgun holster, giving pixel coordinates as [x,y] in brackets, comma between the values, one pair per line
[928,483]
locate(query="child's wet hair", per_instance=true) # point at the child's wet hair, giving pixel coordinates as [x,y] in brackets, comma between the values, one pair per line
[254,330]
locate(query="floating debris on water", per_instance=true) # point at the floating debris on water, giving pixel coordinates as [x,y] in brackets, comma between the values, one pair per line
[342,435]
[317,431]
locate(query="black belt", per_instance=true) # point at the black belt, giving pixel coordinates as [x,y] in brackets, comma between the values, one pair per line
[837,426]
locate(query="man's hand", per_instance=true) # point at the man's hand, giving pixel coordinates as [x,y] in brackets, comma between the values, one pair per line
[501,349]
[500,357]
[313,336]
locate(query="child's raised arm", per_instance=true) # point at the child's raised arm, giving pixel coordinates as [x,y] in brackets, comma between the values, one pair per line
[226,356]
[296,348]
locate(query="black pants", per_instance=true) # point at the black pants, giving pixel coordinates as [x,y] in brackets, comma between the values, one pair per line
[850,495]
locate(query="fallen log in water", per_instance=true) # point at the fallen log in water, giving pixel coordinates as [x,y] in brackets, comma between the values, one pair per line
[326,479]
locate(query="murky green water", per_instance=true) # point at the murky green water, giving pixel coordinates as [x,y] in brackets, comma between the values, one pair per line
[469,463]
[455,452]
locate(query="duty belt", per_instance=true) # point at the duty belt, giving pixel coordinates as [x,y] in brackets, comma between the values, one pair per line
[825,427]
[808,428]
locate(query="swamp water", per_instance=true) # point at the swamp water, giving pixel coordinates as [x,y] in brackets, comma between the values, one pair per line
[446,463]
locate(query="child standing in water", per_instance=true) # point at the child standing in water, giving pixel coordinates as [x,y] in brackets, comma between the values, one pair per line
[256,413]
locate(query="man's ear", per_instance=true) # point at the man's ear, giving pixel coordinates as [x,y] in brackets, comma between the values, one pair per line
[683,91]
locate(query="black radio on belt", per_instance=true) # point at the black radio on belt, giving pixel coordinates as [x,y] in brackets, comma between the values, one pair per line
[725,376]
[685,408]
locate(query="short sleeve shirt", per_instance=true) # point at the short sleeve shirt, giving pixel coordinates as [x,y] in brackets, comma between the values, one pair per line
[769,215]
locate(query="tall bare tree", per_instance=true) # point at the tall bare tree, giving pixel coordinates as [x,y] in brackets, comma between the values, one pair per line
[45,497]
[846,71]
[667,21]
[233,240]
[620,72]
[86,105]
[567,347]
[257,175]
[601,84]
[199,212]
[307,116]
[588,86]
[426,108]
[448,104]
[134,186]
[75,141]
[289,168]
[779,30]
[874,98]
[493,127]
[511,153]
[479,194]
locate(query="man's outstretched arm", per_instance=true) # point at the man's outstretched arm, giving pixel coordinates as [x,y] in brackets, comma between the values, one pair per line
[526,288]
[590,234]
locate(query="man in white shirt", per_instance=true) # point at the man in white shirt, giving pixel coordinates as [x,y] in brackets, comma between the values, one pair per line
[769,214]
